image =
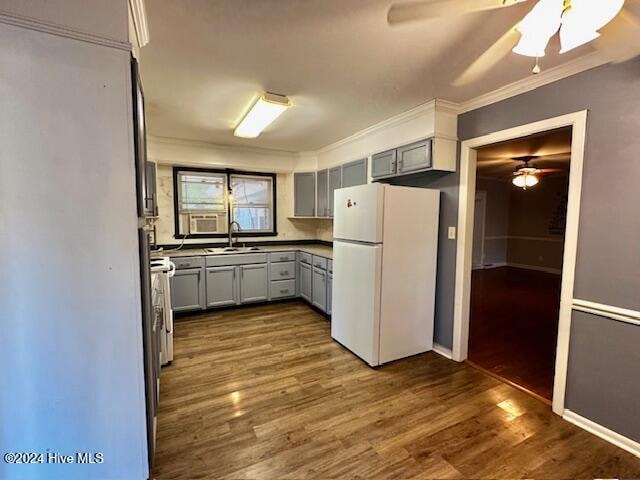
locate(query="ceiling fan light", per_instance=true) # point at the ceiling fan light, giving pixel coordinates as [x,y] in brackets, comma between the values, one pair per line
[525,180]
[530,46]
[571,38]
[580,24]
[537,28]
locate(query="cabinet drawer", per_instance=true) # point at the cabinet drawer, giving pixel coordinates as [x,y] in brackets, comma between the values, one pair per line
[283,270]
[282,257]
[188,262]
[306,258]
[283,288]
[320,262]
[241,259]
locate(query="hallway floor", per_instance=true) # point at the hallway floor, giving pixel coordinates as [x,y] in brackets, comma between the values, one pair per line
[514,325]
[264,393]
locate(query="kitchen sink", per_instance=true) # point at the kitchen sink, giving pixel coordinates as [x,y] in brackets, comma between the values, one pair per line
[220,250]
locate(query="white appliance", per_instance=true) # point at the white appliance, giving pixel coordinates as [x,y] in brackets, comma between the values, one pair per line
[204,223]
[384,270]
[162,269]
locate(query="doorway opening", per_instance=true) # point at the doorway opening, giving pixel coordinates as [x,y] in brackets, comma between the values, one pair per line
[522,188]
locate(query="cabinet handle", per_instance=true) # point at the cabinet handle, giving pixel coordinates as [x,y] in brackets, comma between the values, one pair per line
[283,259]
[284,291]
[282,274]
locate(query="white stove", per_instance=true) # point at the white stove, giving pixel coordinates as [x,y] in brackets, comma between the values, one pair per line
[162,269]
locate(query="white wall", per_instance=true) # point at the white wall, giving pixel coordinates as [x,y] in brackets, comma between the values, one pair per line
[71,341]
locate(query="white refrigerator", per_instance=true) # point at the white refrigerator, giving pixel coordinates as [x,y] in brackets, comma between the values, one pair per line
[384,270]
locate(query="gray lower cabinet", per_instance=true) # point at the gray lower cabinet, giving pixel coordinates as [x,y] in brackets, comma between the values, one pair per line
[254,283]
[383,164]
[304,194]
[306,279]
[335,182]
[222,286]
[322,193]
[354,173]
[319,289]
[329,292]
[188,290]
[416,156]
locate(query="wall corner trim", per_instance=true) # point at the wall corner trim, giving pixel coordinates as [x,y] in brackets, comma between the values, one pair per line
[61,30]
[444,351]
[139,17]
[598,430]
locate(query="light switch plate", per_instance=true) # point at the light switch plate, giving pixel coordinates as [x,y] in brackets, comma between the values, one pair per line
[452,233]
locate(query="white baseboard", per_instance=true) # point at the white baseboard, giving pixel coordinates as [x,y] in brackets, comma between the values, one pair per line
[444,351]
[555,271]
[598,430]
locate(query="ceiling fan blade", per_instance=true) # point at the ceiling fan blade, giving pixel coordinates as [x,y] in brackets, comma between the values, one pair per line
[548,171]
[419,10]
[490,58]
[619,38]
[491,162]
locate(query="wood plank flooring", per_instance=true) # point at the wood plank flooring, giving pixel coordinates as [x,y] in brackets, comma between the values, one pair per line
[513,326]
[264,393]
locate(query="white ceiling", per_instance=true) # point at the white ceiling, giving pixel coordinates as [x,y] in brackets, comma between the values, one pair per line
[340,63]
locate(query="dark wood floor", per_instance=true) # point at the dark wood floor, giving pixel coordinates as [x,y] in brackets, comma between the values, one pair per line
[264,393]
[513,325]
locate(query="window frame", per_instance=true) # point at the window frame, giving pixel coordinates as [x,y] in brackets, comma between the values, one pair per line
[228,172]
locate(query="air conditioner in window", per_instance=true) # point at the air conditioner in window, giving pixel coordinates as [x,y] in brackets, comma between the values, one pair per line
[203,223]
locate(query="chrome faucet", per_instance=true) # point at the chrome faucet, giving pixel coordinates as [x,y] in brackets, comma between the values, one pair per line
[231,232]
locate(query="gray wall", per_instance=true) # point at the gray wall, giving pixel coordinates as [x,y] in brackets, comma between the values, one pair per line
[608,262]
[603,379]
[71,337]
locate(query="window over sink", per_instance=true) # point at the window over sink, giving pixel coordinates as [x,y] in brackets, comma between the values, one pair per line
[206,201]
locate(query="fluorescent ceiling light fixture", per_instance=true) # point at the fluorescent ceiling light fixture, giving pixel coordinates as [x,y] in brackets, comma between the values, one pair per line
[266,109]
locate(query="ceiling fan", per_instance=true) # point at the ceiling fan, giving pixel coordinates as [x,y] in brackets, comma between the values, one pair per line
[612,27]
[527,176]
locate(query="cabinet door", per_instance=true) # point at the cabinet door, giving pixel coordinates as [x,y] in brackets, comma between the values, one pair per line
[335,182]
[187,290]
[304,194]
[222,286]
[322,193]
[354,173]
[319,289]
[383,164]
[305,281]
[150,192]
[329,292]
[254,283]
[416,156]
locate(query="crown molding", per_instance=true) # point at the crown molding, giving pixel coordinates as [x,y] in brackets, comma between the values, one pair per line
[140,25]
[61,30]
[396,120]
[183,142]
[578,65]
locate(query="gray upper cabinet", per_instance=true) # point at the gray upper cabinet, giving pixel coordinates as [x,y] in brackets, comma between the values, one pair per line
[254,283]
[304,194]
[354,173]
[383,164]
[319,289]
[306,280]
[335,182]
[222,286]
[322,193]
[188,290]
[416,156]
